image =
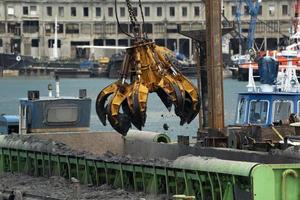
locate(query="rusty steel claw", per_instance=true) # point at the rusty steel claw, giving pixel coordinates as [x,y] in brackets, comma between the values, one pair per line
[150,71]
[137,104]
[165,98]
[140,98]
[191,109]
[177,95]
[191,101]
[101,100]
[119,121]
[165,92]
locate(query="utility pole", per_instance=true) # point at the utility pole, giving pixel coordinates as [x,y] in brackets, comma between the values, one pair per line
[214,64]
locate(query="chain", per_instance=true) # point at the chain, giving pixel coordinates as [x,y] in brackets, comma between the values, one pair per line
[132,17]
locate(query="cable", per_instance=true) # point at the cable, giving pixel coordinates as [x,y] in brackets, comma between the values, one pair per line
[142,13]
[118,22]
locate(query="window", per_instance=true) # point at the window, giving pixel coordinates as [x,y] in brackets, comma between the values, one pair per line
[1,43]
[99,42]
[233,10]
[85,11]
[123,27]
[61,11]
[240,118]
[98,28]
[2,27]
[147,11]
[35,43]
[86,29]
[49,11]
[110,11]
[10,10]
[260,10]
[122,12]
[148,28]
[25,10]
[30,26]
[281,110]
[284,10]
[159,11]
[72,29]
[110,29]
[33,10]
[172,11]
[62,115]
[73,11]
[196,11]
[60,28]
[184,11]
[246,10]
[51,43]
[271,10]
[135,11]
[258,112]
[98,11]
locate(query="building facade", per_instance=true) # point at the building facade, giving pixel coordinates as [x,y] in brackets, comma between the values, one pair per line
[28,27]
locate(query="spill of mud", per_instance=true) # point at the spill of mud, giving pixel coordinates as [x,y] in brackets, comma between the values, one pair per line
[34,143]
[60,188]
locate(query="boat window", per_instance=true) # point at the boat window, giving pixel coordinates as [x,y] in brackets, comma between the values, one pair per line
[282,110]
[62,115]
[241,111]
[258,112]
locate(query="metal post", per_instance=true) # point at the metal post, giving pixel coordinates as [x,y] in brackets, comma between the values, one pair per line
[197,57]
[214,64]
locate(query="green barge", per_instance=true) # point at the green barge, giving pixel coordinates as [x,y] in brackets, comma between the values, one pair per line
[193,171]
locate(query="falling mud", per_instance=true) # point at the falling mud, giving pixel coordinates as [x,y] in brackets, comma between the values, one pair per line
[59,188]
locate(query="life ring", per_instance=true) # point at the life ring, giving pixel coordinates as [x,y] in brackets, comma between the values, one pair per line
[18,58]
[235,57]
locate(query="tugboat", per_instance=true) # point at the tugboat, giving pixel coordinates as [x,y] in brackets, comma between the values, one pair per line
[274,105]
[53,113]
[275,99]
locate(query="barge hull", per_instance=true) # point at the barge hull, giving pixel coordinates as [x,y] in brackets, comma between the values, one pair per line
[200,176]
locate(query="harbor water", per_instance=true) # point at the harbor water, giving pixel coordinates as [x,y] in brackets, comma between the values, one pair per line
[157,115]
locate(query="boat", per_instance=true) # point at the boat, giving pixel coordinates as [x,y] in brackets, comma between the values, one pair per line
[273,106]
[242,63]
[53,113]
[15,61]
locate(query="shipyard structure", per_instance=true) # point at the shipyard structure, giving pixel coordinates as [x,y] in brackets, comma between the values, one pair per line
[28,27]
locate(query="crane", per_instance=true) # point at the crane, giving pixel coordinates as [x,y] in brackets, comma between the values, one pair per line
[254,8]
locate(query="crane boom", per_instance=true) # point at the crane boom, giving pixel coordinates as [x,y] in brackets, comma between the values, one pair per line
[253,11]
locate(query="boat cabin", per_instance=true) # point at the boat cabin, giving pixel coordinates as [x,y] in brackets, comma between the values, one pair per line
[53,113]
[264,109]
[277,99]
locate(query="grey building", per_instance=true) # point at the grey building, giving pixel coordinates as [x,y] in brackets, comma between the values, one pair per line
[28,26]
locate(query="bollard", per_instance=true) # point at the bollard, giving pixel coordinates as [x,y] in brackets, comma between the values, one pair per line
[76,188]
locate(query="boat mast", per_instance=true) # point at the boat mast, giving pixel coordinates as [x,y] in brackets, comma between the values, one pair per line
[55,53]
